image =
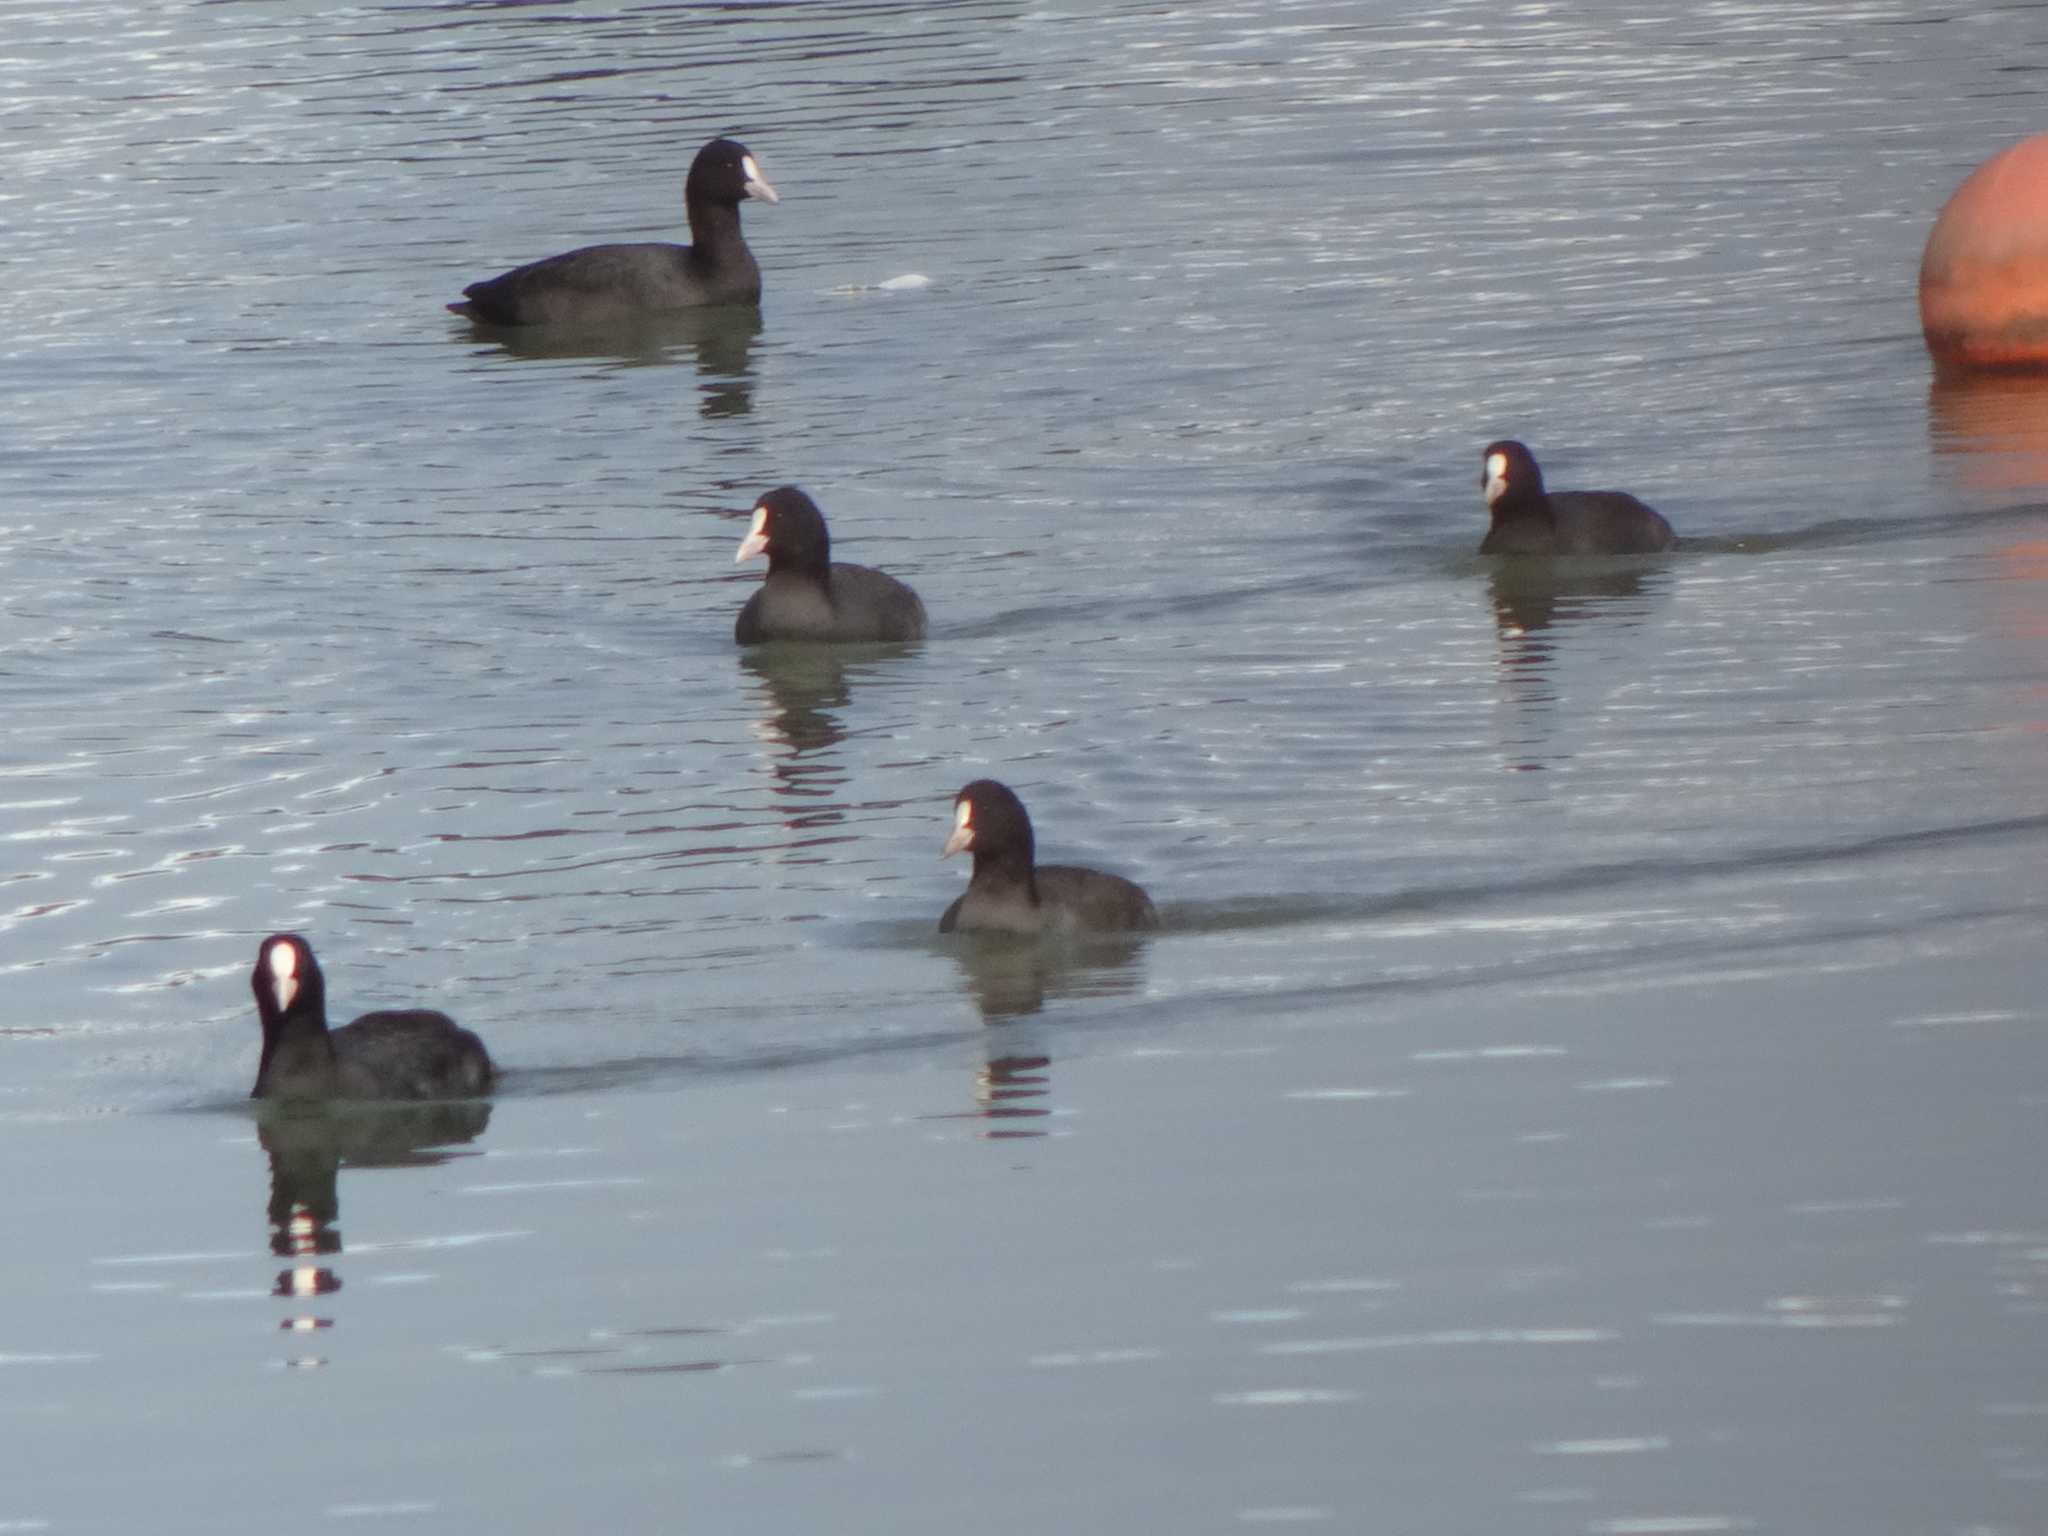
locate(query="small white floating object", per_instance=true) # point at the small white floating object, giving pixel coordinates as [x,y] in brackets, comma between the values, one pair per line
[907,283]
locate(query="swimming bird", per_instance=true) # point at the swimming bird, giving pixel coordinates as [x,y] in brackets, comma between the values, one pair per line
[1527,520]
[808,596]
[1010,892]
[610,284]
[409,1054]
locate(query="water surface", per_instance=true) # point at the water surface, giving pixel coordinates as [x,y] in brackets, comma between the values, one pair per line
[1590,1078]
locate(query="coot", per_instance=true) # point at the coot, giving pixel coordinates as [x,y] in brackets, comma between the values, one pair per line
[410,1054]
[806,596]
[607,284]
[1010,892]
[1527,520]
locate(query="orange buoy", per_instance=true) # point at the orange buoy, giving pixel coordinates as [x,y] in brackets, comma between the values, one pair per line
[1984,275]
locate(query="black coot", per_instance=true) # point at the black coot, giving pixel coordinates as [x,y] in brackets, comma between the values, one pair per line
[608,284]
[806,596]
[1011,893]
[1527,520]
[412,1054]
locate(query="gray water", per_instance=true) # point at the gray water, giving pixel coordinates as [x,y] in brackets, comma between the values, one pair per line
[1591,1076]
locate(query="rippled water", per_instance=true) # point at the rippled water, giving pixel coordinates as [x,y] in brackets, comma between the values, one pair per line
[1590,1078]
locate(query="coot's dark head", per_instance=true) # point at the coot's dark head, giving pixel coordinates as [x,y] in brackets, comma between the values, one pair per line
[287,981]
[790,530]
[990,822]
[725,172]
[1508,473]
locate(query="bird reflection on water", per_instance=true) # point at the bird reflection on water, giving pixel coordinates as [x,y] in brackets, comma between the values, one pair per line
[1535,601]
[309,1143]
[802,692]
[719,341]
[1011,1091]
[1530,596]
[1010,979]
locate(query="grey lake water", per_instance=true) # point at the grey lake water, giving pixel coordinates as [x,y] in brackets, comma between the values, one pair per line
[1592,1075]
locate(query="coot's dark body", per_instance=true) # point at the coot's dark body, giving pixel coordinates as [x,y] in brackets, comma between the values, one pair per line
[1528,520]
[808,596]
[401,1054]
[1010,892]
[611,284]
